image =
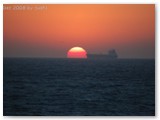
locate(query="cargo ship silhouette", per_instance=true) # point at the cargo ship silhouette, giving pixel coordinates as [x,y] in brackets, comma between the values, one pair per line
[112,54]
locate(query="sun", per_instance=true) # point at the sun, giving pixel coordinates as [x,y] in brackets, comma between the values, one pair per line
[77,52]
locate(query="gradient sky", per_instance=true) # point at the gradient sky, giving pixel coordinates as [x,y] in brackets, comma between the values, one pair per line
[51,32]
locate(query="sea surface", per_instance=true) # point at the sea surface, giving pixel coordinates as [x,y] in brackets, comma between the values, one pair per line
[78,87]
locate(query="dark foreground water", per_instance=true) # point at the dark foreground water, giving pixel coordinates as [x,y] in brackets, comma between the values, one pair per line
[79,87]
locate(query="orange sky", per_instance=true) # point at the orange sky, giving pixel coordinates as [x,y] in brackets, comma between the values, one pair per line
[51,32]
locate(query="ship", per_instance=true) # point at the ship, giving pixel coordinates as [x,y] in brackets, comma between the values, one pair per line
[112,54]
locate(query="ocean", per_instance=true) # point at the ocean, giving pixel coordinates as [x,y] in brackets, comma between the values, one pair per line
[78,87]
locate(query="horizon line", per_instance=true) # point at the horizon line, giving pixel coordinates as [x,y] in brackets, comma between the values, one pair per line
[72,58]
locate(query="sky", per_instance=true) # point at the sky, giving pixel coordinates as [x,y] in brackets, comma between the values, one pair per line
[50,30]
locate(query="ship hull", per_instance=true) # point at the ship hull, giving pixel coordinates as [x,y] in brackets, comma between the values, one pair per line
[97,56]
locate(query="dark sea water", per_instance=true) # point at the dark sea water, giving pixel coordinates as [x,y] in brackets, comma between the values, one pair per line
[79,87]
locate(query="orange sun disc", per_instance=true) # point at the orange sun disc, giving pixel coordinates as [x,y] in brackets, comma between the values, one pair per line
[77,52]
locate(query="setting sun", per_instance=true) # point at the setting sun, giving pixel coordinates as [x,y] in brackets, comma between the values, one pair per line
[76,52]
